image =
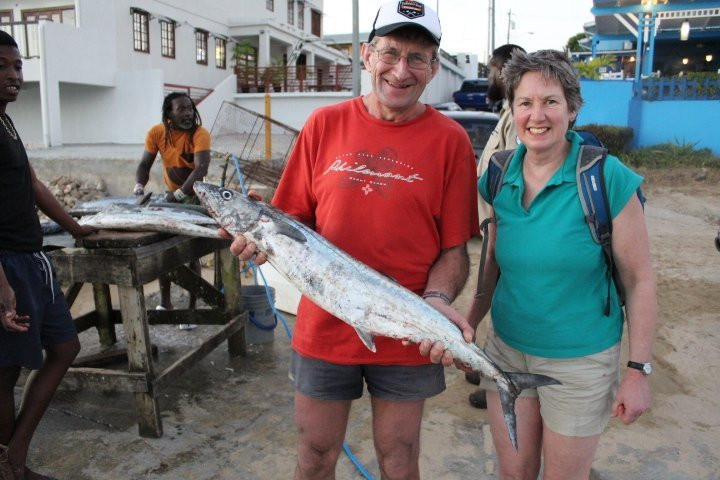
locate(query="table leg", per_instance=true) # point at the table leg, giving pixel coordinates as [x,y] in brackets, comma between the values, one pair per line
[103,306]
[233,299]
[137,334]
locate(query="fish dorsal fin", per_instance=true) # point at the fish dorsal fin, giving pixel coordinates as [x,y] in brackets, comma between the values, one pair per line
[367,339]
[284,228]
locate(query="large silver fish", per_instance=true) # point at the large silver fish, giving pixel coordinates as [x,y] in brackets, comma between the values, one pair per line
[176,213]
[352,291]
[145,222]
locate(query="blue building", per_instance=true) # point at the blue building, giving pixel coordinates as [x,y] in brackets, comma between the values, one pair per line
[665,85]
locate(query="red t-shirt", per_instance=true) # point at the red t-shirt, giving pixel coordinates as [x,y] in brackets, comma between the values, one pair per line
[390,194]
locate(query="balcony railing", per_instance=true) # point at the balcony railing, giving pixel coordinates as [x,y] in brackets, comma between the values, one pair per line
[25,35]
[198,94]
[674,88]
[317,78]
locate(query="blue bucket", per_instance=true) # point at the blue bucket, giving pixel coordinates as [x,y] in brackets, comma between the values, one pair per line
[261,317]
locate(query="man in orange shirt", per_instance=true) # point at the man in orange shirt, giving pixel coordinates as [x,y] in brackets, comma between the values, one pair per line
[184,146]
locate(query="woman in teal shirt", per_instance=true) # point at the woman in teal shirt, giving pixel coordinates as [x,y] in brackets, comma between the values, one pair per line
[548,313]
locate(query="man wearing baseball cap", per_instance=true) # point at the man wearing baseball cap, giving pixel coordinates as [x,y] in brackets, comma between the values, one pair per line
[392,182]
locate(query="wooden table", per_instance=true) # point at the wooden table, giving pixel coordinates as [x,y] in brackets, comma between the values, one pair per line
[129,260]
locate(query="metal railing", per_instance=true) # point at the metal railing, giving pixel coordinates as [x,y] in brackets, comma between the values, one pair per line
[198,94]
[675,88]
[25,35]
[317,78]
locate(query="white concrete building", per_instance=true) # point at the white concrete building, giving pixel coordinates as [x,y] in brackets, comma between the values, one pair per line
[468,62]
[96,71]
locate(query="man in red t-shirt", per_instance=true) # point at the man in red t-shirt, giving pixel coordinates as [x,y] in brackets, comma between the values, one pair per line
[392,182]
[184,145]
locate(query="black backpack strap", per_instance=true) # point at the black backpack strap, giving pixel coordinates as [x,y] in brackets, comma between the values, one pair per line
[593,198]
[497,167]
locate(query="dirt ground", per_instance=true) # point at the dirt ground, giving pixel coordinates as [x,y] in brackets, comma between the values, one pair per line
[231,418]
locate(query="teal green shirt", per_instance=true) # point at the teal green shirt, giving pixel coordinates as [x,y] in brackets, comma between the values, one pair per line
[551,294]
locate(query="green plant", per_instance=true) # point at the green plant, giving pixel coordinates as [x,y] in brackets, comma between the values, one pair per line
[589,69]
[573,43]
[678,154]
[275,74]
[616,139]
[244,53]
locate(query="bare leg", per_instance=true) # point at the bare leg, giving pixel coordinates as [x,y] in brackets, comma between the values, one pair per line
[8,379]
[523,464]
[165,300]
[195,267]
[396,431]
[568,458]
[39,390]
[321,428]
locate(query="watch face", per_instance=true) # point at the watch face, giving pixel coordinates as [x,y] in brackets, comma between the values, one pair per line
[647,369]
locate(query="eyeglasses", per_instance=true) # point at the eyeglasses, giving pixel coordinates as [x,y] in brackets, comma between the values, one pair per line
[416,61]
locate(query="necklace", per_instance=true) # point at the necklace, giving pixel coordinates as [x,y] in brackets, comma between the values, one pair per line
[9,128]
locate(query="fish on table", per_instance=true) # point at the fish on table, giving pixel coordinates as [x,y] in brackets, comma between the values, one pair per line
[353,292]
[146,222]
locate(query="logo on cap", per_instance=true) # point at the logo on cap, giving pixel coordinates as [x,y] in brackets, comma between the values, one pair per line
[411,9]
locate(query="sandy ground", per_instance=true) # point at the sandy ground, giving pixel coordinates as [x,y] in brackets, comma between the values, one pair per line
[231,418]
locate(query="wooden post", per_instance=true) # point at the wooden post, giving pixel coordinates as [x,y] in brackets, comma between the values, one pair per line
[103,306]
[268,125]
[233,299]
[137,334]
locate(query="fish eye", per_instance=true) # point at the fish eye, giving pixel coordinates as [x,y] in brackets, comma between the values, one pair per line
[226,194]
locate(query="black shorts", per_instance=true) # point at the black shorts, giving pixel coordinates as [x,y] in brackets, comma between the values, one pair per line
[330,381]
[38,295]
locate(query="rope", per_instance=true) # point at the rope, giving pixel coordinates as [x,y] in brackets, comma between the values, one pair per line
[255,270]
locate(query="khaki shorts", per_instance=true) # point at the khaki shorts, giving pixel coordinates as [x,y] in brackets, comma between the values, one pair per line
[581,406]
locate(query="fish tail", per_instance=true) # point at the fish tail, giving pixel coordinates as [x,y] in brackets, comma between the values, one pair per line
[517,383]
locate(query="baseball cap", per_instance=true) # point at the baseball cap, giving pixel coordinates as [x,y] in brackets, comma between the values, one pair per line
[406,13]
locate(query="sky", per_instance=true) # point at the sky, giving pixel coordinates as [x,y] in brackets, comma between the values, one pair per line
[538,24]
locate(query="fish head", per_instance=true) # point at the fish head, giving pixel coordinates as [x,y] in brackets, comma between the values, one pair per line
[233,211]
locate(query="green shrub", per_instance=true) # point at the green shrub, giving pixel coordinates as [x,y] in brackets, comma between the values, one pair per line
[590,68]
[616,139]
[671,155]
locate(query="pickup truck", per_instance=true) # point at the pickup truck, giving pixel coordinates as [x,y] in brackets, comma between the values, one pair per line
[473,94]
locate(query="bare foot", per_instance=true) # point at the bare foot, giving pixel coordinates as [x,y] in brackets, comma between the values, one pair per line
[30,475]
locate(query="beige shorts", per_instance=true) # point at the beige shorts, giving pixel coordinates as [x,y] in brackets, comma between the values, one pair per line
[581,406]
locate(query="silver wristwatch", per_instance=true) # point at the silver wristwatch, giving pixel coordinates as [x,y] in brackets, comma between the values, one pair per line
[645,368]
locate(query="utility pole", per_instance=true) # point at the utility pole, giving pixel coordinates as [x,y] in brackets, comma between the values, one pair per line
[355,50]
[509,25]
[491,27]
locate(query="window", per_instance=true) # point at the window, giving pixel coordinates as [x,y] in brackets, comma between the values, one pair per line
[291,12]
[270,5]
[316,23]
[220,57]
[6,16]
[141,37]
[301,15]
[246,55]
[167,38]
[201,47]
[31,47]
[57,15]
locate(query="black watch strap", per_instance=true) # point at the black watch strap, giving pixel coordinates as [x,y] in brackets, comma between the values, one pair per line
[645,368]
